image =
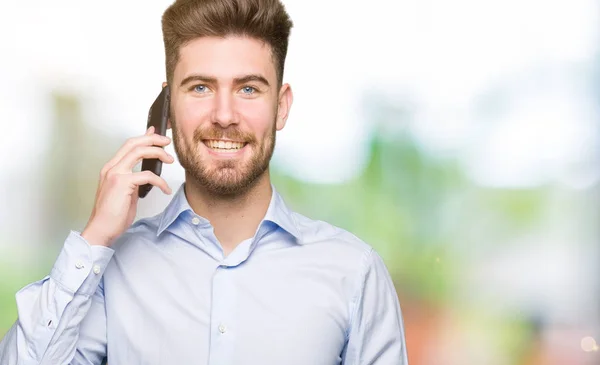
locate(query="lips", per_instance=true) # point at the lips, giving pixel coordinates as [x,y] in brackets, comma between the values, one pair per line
[224,145]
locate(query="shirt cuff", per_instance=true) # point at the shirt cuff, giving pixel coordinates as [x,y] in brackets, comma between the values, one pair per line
[80,266]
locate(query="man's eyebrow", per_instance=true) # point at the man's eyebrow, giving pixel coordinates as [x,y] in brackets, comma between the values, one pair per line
[237,80]
[198,77]
[249,78]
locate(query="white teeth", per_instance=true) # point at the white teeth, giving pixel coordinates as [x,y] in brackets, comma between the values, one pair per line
[224,145]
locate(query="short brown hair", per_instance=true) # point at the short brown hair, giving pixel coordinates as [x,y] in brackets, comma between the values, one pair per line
[265,20]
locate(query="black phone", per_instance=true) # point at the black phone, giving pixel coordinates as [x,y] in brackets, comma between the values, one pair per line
[158,116]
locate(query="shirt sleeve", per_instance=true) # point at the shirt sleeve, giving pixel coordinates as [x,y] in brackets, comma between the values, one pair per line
[61,318]
[376,334]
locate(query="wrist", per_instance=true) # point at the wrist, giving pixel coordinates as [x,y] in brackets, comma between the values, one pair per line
[94,237]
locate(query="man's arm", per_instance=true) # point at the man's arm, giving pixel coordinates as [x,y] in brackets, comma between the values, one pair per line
[61,318]
[377,331]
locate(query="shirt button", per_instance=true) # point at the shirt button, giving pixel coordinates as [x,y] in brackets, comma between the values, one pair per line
[195,221]
[79,265]
[96,269]
[222,328]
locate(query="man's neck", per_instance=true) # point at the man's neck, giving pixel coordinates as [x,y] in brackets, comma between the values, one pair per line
[234,218]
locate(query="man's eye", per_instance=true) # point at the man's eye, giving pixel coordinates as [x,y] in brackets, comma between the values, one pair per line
[248,90]
[200,89]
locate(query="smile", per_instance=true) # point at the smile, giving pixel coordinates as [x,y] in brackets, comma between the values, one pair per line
[223,145]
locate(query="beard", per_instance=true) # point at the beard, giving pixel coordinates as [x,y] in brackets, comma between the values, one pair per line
[224,178]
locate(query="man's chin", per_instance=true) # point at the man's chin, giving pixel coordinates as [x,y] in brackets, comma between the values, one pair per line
[226,182]
[226,189]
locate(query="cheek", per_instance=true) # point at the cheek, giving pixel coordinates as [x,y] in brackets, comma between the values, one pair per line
[190,115]
[258,117]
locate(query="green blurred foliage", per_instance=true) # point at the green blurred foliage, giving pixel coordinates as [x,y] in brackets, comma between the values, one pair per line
[420,212]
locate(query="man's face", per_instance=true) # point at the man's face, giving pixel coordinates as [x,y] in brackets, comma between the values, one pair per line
[225,110]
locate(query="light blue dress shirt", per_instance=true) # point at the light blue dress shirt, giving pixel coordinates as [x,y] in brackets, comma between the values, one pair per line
[300,292]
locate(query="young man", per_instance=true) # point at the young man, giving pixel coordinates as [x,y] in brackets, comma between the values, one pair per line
[226,274]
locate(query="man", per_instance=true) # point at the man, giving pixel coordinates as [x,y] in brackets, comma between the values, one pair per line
[226,274]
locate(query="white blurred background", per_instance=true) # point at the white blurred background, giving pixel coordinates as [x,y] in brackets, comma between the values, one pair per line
[499,98]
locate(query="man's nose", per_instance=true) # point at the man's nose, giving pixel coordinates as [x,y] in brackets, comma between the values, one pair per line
[224,114]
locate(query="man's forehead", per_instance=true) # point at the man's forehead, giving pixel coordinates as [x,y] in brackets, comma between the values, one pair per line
[225,58]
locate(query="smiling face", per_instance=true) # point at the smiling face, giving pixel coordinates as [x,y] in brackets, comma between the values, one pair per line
[225,110]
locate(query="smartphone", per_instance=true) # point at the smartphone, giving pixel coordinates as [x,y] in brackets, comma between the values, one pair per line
[158,116]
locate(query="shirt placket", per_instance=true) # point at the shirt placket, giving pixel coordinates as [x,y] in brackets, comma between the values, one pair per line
[222,321]
[223,324]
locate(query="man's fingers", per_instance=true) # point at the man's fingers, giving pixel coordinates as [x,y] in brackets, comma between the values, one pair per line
[148,139]
[148,177]
[142,152]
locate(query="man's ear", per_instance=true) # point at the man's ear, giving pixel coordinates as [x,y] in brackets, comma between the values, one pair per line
[169,121]
[286,98]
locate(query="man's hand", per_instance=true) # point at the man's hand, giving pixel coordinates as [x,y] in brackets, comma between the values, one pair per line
[117,194]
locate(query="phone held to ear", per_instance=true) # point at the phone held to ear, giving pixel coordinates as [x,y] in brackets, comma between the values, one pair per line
[158,116]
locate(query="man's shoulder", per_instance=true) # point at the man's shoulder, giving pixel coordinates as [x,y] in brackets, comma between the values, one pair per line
[142,231]
[329,236]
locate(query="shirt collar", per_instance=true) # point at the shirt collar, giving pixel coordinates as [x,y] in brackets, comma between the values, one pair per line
[277,213]
[176,207]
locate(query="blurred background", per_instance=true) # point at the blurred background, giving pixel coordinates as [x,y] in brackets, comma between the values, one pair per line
[461,139]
